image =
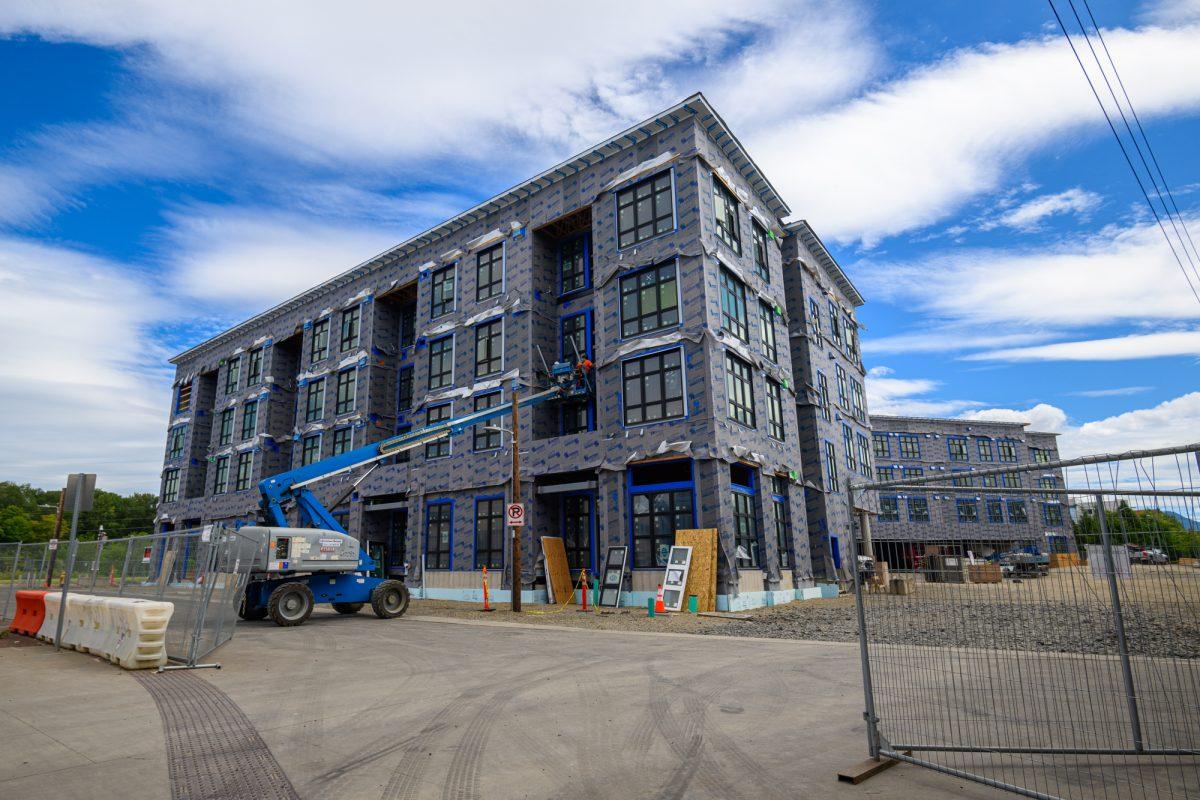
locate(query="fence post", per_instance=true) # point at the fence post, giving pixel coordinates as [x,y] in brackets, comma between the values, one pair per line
[166,565]
[863,654]
[125,567]
[1119,623]
[12,581]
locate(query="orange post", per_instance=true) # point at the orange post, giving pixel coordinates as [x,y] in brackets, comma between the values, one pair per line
[112,576]
[487,605]
[583,591]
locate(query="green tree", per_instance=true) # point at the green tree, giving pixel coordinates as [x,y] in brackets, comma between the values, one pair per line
[15,525]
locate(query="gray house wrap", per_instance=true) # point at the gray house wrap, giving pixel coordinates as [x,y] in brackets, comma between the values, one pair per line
[393,292]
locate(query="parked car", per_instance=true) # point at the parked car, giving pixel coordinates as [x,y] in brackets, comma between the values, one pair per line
[1146,555]
[1020,564]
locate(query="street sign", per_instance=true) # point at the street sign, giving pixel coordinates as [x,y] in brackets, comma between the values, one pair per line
[53,544]
[514,515]
[82,484]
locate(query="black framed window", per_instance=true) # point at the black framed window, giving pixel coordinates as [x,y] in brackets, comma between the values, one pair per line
[489,272]
[245,463]
[574,264]
[885,473]
[734,317]
[650,300]
[843,386]
[831,467]
[889,509]
[178,437]
[575,340]
[577,530]
[910,445]
[347,389]
[968,509]
[489,533]
[233,374]
[254,364]
[745,529]
[956,446]
[761,264]
[314,400]
[319,348]
[310,449]
[835,324]
[645,210]
[766,331]
[653,387]
[775,409]
[1011,480]
[918,509]
[249,419]
[858,405]
[725,213]
[170,492]
[351,327]
[576,416]
[908,473]
[441,362]
[848,446]
[823,396]
[485,435]
[1017,514]
[994,507]
[864,454]
[343,441]
[408,325]
[739,388]
[814,317]
[489,348]
[221,475]
[984,446]
[1052,514]
[781,519]
[1040,455]
[881,446]
[404,388]
[225,427]
[442,291]
[439,531]
[1007,449]
[656,515]
[961,480]
[434,415]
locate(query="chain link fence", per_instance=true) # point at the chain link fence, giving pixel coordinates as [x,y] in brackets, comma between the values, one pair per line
[202,571]
[1041,640]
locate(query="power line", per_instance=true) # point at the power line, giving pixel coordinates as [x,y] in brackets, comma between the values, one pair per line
[1137,121]
[1120,143]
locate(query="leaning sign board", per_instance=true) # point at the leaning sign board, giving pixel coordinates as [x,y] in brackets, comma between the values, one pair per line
[614,574]
[675,581]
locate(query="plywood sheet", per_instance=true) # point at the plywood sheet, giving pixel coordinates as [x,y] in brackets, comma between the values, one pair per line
[558,574]
[702,575]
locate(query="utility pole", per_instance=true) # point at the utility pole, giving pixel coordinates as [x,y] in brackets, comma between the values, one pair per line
[80,488]
[516,498]
[62,496]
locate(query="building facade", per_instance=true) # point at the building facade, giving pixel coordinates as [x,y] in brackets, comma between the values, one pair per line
[911,447]
[831,404]
[659,255]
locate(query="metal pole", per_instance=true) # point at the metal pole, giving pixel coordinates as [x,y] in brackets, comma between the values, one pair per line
[12,581]
[52,555]
[863,654]
[1119,623]
[516,498]
[125,566]
[62,603]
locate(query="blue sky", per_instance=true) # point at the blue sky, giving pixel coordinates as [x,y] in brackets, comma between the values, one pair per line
[168,169]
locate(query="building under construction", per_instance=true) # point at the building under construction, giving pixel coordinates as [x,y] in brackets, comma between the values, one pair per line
[719,336]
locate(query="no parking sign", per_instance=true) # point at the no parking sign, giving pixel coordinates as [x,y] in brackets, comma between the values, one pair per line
[514,515]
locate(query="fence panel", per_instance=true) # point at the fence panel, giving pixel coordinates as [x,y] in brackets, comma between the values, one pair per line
[202,571]
[1062,662]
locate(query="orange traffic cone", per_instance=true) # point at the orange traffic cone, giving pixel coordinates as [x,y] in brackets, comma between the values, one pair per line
[659,608]
[487,606]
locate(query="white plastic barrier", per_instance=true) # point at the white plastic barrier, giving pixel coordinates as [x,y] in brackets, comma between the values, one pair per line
[125,630]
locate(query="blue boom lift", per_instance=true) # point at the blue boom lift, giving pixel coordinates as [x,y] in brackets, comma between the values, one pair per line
[319,562]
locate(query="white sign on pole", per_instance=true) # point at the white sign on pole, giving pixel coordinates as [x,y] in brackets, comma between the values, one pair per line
[53,544]
[514,515]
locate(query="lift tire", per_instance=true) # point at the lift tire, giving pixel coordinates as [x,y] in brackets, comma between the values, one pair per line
[251,614]
[347,608]
[389,599]
[290,604]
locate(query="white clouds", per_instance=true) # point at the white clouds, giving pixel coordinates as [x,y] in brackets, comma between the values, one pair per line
[79,388]
[385,81]
[1172,422]
[906,396]
[1116,391]
[1030,214]
[913,151]
[246,261]
[1116,274]
[1120,348]
[1041,417]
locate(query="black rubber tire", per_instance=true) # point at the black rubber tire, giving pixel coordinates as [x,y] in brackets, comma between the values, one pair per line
[252,614]
[389,599]
[290,604]
[347,608]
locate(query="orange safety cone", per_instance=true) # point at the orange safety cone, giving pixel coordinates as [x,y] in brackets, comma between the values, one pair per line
[487,605]
[659,608]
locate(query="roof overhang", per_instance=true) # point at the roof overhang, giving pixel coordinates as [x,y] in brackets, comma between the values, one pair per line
[802,229]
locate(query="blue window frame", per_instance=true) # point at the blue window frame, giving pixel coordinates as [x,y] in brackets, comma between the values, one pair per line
[404,389]
[1017,513]
[743,480]
[984,445]
[994,508]
[575,333]
[956,448]
[1052,514]
[881,445]
[661,501]
[646,209]
[910,446]
[781,518]
[968,509]
[183,397]
[918,509]
[575,264]
[1007,448]
[434,415]
[889,509]
[439,534]
[654,387]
